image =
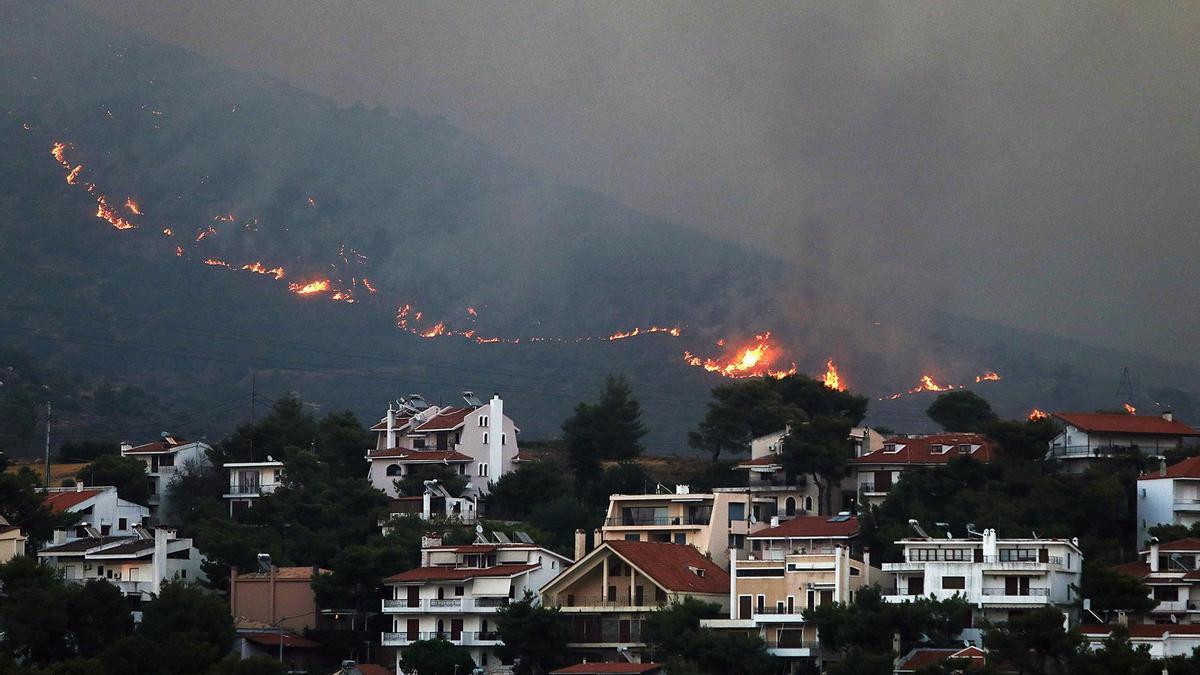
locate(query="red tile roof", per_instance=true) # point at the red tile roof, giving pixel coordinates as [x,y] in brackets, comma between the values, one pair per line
[1120,423]
[169,444]
[401,423]
[458,573]
[810,527]
[273,640]
[420,455]
[446,420]
[921,658]
[768,460]
[608,668]
[669,565]
[1188,468]
[284,574]
[1185,544]
[372,669]
[63,501]
[920,450]
[1138,569]
[1144,630]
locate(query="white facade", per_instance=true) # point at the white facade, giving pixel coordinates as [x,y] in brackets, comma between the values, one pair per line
[250,480]
[994,575]
[1163,641]
[99,508]
[478,440]
[1088,436]
[457,591]
[163,459]
[1169,496]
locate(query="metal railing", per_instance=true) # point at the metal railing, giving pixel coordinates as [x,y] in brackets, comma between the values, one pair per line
[787,643]
[1033,592]
[490,602]
[640,521]
[442,604]
[870,487]
[999,559]
[252,489]
[601,602]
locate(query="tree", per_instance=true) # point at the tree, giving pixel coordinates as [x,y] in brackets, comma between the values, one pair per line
[341,438]
[98,615]
[22,503]
[1111,590]
[559,519]
[670,629]
[189,629]
[960,410]
[127,474]
[819,448]
[868,623]
[535,634]
[436,657]
[532,484]
[447,476]
[609,429]
[35,613]
[674,632]
[1117,655]
[1035,642]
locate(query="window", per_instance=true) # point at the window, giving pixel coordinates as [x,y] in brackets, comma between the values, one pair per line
[458,591]
[737,511]
[166,460]
[761,603]
[612,594]
[394,470]
[483,469]
[419,442]
[680,537]
[1166,593]
[182,574]
[99,570]
[890,448]
[503,439]
[660,595]
[954,583]
[964,449]
[938,449]
[808,504]
[485,438]
[483,420]
[633,537]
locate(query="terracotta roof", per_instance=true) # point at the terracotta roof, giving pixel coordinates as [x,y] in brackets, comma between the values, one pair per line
[1120,423]
[1138,569]
[921,658]
[420,455]
[810,527]
[446,420]
[920,450]
[669,565]
[1144,630]
[169,444]
[401,422]
[372,669]
[273,640]
[607,668]
[458,573]
[768,460]
[284,574]
[63,501]
[1185,544]
[1188,468]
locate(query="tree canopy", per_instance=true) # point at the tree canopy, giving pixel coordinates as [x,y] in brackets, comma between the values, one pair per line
[961,410]
[610,429]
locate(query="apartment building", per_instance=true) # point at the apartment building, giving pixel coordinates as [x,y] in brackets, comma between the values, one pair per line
[1172,571]
[766,478]
[1088,436]
[608,593]
[806,534]
[1163,641]
[138,564]
[478,440]
[997,576]
[249,481]
[163,458]
[876,472]
[768,597]
[99,508]
[1169,495]
[457,590]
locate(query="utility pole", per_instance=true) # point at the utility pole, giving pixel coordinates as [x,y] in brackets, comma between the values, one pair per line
[47,443]
[253,394]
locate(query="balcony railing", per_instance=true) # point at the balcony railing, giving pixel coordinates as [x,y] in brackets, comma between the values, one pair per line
[434,605]
[640,521]
[1028,562]
[445,603]
[870,487]
[600,602]
[252,489]
[1032,592]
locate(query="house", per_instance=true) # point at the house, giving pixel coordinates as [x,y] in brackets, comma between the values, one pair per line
[996,576]
[1087,436]
[1172,571]
[435,502]
[478,441]
[611,668]
[1164,640]
[99,508]
[279,597]
[137,565]
[876,472]
[261,641]
[163,458]
[712,523]
[12,541]
[768,598]
[767,478]
[250,480]
[457,590]
[607,594]
[807,534]
[1168,496]
[966,658]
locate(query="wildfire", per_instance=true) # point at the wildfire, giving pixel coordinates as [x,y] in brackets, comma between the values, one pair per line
[132,206]
[673,331]
[368,285]
[989,376]
[1036,414]
[438,329]
[832,378]
[259,268]
[57,151]
[179,251]
[226,218]
[342,296]
[104,212]
[750,361]
[216,263]
[311,202]
[319,286]
[1129,409]
[402,316]
[207,232]
[929,384]
[74,174]
[167,232]
[470,310]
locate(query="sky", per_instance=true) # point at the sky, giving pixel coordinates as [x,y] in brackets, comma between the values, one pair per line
[1033,164]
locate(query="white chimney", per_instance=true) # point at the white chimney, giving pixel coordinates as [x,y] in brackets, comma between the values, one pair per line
[1168,416]
[125,447]
[495,437]
[990,549]
[683,489]
[580,544]
[1154,554]
[159,569]
[391,428]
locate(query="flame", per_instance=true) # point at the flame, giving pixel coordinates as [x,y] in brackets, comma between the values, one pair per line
[216,263]
[1129,409]
[168,231]
[749,361]
[319,286]
[673,331]
[368,285]
[438,329]
[259,268]
[833,379]
[209,231]
[179,251]
[74,174]
[312,202]
[402,316]
[104,212]
[472,312]
[1036,414]
[989,376]
[133,206]
[342,296]
[57,150]
[928,384]
[227,218]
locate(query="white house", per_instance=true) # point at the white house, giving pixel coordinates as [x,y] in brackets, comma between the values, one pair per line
[1086,436]
[478,440]
[994,575]
[457,590]
[1172,571]
[1168,496]
[163,458]
[1163,640]
[99,508]
[250,480]
[876,472]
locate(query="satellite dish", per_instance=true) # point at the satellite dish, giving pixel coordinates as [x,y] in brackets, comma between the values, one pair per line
[478,529]
[753,520]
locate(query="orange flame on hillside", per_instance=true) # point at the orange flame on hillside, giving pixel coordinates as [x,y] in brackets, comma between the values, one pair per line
[319,286]
[832,378]
[74,174]
[989,376]
[438,329]
[133,206]
[343,296]
[1129,409]
[673,331]
[1036,414]
[167,232]
[368,285]
[57,151]
[749,361]
[207,232]
[226,218]
[472,312]
[103,211]
[178,251]
[259,268]
[928,384]
[216,263]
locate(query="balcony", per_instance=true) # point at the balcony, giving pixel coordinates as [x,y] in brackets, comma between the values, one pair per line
[251,490]
[992,563]
[600,603]
[1032,596]
[443,605]
[1174,606]
[789,647]
[669,521]
[1182,504]
[870,489]
[484,638]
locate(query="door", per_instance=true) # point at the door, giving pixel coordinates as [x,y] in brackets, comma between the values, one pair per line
[978,555]
[1023,586]
[413,630]
[456,626]
[1012,586]
[639,595]
[623,630]
[744,607]
[414,596]
[883,481]
[916,585]
[1044,555]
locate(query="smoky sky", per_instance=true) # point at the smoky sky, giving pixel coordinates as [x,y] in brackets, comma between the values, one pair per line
[1034,164]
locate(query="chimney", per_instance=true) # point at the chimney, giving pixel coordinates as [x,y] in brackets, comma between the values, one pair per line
[390,439]
[866,556]
[580,544]
[161,536]
[597,537]
[79,485]
[774,521]
[1162,467]
[126,446]
[896,643]
[1154,554]
[1122,619]
[1168,416]
[683,489]
[495,437]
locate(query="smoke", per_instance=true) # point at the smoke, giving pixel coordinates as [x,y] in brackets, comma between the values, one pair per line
[1032,164]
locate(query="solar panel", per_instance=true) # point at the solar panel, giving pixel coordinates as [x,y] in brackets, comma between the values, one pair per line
[840,518]
[501,538]
[523,537]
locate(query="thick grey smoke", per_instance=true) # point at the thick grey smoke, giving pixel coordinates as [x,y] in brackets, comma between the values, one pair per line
[1034,164]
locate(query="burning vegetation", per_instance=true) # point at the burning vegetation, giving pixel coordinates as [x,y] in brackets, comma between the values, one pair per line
[751,360]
